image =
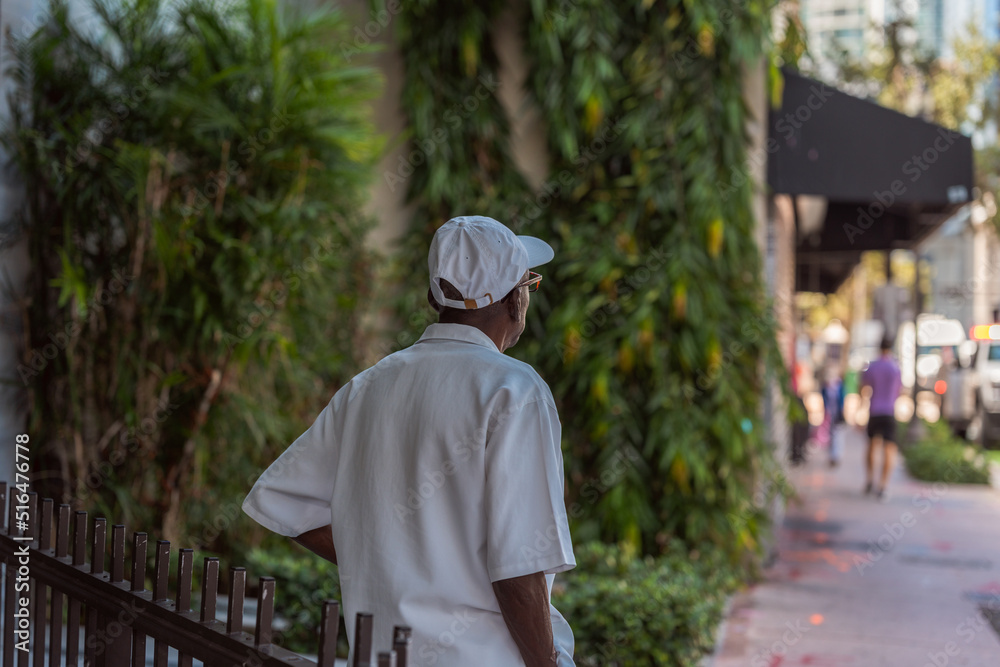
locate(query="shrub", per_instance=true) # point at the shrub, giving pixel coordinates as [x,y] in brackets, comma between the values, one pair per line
[194,173]
[941,457]
[628,611]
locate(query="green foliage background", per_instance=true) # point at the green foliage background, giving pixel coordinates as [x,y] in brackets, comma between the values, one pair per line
[652,325]
[195,173]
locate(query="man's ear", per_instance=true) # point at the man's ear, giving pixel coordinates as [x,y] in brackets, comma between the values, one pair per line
[513,304]
[438,308]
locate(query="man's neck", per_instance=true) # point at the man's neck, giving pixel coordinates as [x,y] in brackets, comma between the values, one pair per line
[495,333]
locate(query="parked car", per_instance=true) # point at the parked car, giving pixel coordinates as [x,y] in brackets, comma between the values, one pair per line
[937,344]
[970,388]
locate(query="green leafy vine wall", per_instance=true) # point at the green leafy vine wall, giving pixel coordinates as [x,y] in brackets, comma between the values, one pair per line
[652,326]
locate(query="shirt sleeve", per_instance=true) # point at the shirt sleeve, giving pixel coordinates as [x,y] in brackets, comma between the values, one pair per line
[527,530]
[294,494]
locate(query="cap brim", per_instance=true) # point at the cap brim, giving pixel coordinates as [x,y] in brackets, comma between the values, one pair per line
[539,252]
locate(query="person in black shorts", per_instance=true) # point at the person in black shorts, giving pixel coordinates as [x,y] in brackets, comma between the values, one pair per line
[883,426]
[883,376]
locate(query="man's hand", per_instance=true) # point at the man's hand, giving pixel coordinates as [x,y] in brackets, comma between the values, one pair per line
[524,603]
[320,542]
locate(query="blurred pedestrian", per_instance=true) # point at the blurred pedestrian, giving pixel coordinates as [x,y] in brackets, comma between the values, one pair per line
[833,402]
[800,433]
[885,381]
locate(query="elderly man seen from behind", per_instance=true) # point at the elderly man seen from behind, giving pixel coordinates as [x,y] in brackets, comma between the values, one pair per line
[434,479]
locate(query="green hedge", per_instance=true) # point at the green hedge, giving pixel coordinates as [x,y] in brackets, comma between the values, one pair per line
[628,611]
[625,610]
[941,457]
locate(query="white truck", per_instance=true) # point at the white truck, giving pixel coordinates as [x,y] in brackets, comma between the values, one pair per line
[971,387]
[938,339]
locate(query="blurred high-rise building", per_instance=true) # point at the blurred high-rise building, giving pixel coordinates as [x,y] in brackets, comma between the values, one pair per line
[850,25]
[939,22]
[835,25]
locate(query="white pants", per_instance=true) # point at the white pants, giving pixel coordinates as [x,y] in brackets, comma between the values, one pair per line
[838,433]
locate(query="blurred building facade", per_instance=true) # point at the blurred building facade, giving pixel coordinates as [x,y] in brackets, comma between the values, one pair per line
[834,25]
[939,22]
[964,260]
[848,25]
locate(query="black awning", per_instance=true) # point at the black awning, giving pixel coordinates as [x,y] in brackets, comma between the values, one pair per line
[889,179]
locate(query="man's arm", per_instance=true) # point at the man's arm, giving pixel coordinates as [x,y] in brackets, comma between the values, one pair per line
[320,542]
[524,603]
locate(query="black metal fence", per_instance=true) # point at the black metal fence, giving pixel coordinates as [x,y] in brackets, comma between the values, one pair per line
[43,583]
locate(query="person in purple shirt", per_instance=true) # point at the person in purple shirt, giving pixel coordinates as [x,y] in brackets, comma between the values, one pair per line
[883,377]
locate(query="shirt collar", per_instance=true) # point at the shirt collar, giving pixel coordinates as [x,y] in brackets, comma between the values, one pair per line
[460,332]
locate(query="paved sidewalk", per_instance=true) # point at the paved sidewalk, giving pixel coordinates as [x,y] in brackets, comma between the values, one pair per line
[867,584]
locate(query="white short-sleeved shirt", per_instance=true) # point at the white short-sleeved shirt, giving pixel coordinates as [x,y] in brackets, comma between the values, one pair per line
[440,472]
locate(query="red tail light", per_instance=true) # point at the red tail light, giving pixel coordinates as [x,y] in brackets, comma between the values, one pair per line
[940,387]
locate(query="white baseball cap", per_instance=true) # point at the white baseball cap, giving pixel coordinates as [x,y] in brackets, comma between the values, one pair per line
[483,260]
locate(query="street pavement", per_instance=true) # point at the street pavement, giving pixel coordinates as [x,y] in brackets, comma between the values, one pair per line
[905,583]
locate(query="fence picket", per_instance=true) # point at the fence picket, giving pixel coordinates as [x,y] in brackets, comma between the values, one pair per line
[73,615]
[237,590]
[265,612]
[209,588]
[44,542]
[55,634]
[98,546]
[117,553]
[402,637]
[185,563]
[363,639]
[139,543]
